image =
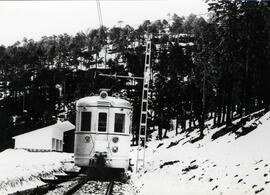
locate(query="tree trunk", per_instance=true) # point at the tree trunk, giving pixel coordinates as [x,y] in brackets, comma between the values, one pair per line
[190,120]
[194,122]
[203,113]
[160,132]
[229,104]
[240,110]
[201,124]
[215,118]
[232,111]
[223,114]
[165,133]
[219,108]
[160,126]
[177,125]
[183,122]
[228,115]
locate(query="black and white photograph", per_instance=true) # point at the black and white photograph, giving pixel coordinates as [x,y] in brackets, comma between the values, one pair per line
[134,97]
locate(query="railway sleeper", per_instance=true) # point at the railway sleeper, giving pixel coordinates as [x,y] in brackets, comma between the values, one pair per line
[58,178]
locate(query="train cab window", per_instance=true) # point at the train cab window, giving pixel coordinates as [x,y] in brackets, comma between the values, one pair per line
[85,121]
[119,124]
[102,121]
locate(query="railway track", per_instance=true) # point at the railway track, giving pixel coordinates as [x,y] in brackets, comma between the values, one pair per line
[78,186]
[91,187]
[71,183]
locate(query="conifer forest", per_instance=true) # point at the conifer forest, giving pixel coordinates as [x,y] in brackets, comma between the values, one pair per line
[201,68]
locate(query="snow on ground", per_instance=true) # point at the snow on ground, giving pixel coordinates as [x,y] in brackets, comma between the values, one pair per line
[20,169]
[227,165]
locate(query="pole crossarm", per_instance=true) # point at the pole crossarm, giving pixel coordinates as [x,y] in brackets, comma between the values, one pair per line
[120,76]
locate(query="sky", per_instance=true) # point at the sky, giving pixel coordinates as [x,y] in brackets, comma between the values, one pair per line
[34,19]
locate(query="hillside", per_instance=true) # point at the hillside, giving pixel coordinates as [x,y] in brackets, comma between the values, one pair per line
[228,165]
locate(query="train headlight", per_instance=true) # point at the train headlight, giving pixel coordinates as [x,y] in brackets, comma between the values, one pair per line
[87,139]
[115,149]
[103,94]
[115,139]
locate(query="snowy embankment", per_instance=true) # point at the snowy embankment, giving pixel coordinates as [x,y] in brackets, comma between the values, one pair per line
[230,164]
[20,169]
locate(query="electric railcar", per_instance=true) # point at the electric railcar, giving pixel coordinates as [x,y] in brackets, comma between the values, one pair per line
[103,126]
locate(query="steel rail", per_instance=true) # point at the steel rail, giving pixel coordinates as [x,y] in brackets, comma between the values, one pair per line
[76,187]
[110,188]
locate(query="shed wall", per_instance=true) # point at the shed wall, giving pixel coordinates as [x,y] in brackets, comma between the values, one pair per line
[41,140]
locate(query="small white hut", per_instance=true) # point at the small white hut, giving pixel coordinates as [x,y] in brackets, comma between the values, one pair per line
[49,138]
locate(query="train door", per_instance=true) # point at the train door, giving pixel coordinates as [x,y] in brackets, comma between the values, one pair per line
[102,129]
[102,126]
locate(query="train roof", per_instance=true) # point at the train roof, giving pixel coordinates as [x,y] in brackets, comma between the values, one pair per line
[108,101]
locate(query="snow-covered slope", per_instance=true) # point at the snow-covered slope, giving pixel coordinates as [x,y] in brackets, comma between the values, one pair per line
[227,165]
[20,169]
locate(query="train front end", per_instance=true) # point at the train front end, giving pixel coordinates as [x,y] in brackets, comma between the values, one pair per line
[102,136]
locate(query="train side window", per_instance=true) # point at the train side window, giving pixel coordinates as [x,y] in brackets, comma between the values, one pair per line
[85,121]
[119,124]
[102,121]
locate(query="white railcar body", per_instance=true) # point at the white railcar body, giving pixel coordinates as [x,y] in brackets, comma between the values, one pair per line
[103,125]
